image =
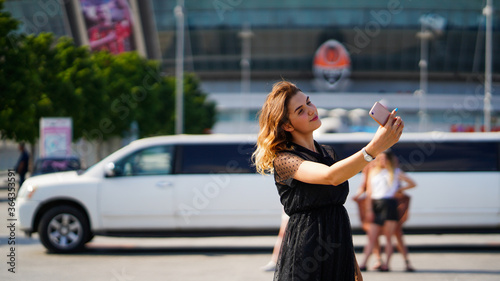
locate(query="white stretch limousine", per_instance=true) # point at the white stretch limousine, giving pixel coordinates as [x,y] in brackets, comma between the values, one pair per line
[179,184]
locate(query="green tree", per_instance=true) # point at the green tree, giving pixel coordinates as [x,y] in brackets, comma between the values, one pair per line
[138,92]
[126,92]
[41,76]
[200,113]
[15,81]
[54,79]
[87,84]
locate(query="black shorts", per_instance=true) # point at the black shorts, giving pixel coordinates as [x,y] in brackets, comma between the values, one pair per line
[385,210]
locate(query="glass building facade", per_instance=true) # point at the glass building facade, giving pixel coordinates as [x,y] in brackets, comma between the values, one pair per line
[39,16]
[379,34]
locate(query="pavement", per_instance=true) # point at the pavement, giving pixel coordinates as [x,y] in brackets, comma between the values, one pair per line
[415,242]
[435,257]
[453,257]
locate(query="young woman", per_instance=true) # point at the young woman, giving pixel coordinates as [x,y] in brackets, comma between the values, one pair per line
[312,184]
[383,182]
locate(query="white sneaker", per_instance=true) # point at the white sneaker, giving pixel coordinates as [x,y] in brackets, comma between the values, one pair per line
[271,266]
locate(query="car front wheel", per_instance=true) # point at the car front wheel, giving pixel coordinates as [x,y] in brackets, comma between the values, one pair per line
[63,229]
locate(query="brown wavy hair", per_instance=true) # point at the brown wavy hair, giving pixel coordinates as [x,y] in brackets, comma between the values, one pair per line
[272,137]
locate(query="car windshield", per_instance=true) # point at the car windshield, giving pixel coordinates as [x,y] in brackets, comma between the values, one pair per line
[44,166]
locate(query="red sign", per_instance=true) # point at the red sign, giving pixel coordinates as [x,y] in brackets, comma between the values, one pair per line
[332,66]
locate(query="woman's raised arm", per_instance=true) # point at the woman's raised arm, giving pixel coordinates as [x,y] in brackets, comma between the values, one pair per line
[316,173]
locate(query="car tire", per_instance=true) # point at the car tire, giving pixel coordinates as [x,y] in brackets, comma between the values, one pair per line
[64,229]
[90,237]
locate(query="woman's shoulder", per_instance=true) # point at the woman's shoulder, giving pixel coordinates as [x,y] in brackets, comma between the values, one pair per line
[284,154]
[287,157]
[285,165]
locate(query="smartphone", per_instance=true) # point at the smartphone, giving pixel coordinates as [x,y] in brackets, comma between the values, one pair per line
[380,113]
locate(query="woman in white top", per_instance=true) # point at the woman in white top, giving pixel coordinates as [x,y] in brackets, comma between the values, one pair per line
[383,181]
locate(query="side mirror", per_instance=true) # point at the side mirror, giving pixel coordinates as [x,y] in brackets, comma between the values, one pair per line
[109,170]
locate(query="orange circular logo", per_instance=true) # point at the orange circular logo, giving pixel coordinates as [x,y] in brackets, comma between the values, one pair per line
[332,65]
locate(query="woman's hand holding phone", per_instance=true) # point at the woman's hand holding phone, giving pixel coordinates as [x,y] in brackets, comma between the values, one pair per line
[388,133]
[380,113]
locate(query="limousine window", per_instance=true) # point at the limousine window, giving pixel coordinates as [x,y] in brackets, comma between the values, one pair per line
[156,160]
[449,156]
[215,158]
[453,156]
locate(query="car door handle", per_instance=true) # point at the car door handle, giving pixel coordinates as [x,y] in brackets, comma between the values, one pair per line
[164,184]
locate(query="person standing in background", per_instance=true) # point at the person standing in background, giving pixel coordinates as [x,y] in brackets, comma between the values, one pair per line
[21,167]
[360,199]
[403,208]
[271,266]
[382,184]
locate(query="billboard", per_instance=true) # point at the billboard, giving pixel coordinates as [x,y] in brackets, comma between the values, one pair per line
[109,25]
[55,136]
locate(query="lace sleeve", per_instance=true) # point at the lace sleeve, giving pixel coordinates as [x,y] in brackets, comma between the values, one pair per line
[285,166]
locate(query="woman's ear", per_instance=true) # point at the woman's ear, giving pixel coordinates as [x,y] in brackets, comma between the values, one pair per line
[288,127]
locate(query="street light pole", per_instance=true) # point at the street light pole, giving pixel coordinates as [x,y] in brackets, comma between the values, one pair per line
[432,25]
[424,35]
[245,35]
[488,12]
[179,68]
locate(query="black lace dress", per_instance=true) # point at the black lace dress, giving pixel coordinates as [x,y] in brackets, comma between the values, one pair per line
[318,241]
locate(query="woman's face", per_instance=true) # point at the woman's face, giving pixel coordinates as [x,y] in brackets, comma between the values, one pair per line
[303,114]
